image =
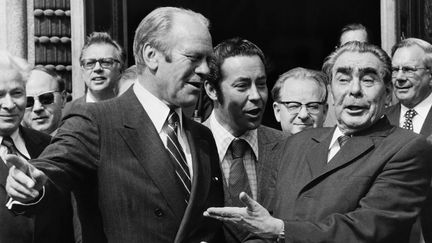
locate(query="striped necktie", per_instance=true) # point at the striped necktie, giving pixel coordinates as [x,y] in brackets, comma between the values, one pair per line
[176,152]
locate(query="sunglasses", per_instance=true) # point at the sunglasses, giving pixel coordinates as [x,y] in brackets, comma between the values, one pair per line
[46,98]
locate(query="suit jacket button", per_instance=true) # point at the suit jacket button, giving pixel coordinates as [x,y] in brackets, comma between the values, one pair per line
[158,212]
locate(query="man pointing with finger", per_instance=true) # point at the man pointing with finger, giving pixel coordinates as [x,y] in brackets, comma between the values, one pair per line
[141,171]
[362,181]
[54,224]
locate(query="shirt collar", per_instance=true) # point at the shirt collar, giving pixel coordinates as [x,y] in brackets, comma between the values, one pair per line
[90,98]
[18,142]
[337,133]
[223,138]
[155,108]
[421,108]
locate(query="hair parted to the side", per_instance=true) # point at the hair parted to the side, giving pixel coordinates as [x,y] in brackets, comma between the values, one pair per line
[155,27]
[104,38]
[9,62]
[300,73]
[359,47]
[230,48]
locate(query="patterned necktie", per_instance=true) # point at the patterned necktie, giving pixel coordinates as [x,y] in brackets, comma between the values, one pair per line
[176,152]
[409,115]
[9,144]
[342,140]
[238,179]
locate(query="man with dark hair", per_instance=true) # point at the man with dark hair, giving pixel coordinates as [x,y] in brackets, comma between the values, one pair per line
[300,100]
[141,170]
[238,89]
[412,86]
[353,32]
[46,97]
[361,181]
[54,223]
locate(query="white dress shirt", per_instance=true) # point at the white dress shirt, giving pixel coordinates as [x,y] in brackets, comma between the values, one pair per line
[334,144]
[158,113]
[422,110]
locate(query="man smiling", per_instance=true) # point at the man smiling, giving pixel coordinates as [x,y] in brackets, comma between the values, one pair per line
[362,181]
[238,88]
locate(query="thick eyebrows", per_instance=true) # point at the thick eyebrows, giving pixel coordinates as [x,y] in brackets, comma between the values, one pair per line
[368,70]
[344,70]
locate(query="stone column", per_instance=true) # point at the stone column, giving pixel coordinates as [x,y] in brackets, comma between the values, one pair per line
[13,19]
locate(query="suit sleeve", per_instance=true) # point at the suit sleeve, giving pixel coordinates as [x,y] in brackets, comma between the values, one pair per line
[73,153]
[391,204]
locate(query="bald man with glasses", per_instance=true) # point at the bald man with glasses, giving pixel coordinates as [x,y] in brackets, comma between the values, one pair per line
[46,97]
[300,96]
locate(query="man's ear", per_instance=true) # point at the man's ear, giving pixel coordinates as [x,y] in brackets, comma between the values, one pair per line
[210,90]
[276,111]
[150,56]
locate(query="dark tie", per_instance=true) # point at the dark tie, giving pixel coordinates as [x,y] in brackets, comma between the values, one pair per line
[342,140]
[9,144]
[238,179]
[176,152]
[409,115]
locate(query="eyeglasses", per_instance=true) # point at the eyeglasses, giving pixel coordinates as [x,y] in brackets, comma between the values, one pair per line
[103,62]
[46,98]
[407,70]
[294,107]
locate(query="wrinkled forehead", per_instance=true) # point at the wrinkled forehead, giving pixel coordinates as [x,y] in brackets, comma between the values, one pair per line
[354,62]
[11,75]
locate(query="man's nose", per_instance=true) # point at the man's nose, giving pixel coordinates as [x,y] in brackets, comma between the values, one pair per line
[303,113]
[37,106]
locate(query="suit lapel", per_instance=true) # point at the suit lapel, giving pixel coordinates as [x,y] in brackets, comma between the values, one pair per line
[393,114]
[318,159]
[201,178]
[144,141]
[355,147]
[265,161]
[427,124]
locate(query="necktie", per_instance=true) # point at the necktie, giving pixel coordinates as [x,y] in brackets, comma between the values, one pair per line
[176,153]
[342,140]
[9,144]
[238,179]
[409,115]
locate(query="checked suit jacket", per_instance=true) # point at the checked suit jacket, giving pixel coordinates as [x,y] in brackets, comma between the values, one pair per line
[371,191]
[50,225]
[112,157]
[268,141]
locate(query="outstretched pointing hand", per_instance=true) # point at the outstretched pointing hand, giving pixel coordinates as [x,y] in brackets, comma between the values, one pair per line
[24,181]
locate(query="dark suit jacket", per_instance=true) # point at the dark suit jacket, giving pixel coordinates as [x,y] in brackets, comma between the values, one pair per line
[393,114]
[123,179]
[72,104]
[371,191]
[268,142]
[53,225]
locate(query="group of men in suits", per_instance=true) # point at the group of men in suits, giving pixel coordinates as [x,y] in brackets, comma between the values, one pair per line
[143,172]
[53,222]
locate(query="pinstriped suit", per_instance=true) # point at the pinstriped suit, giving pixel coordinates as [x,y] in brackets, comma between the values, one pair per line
[112,156]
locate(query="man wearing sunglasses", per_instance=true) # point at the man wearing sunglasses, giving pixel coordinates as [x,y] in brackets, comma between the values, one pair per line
[300,97]
[46,96]
[412,86]
[54,224]
[102,60]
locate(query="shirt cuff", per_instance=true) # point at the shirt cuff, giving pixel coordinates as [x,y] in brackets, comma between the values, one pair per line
[11,203]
